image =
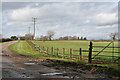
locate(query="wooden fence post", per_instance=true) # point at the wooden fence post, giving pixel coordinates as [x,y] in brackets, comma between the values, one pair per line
[43,47]
[57,52]
[80,54]
[63,53]
[39,47]
[52,51]
[36,48]
[34,45]
[90,53]
[70,53]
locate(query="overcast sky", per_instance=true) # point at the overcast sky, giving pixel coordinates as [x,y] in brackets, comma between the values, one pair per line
[94,20]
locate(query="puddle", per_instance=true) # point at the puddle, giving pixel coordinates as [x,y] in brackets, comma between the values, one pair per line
[30,60]
[51,74]
[5,54]
[6,61]
[29,63]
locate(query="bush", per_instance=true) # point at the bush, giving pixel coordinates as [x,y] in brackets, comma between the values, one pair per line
[5,40]
[14,38]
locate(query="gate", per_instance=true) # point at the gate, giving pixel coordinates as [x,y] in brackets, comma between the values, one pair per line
[102,50]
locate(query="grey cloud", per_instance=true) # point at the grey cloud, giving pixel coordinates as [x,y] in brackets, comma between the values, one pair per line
[80,19]
[14,5]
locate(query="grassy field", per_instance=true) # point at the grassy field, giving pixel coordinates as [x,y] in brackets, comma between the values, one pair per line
[23,48]
[75,45]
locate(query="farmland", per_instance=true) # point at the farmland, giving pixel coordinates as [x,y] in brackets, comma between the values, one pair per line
[23,48]
[76,45]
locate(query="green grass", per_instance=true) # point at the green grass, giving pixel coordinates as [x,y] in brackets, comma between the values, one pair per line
[64,44]
[23,48]
[76,45]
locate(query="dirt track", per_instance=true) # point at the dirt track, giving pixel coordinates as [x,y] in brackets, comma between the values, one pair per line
[18,66]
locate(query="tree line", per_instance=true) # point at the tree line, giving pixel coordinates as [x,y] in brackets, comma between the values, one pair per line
[72,38]
[50,35]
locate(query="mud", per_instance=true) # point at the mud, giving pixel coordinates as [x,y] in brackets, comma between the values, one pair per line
[19,66]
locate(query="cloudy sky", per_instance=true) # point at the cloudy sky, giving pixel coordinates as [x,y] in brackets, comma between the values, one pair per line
[94,20]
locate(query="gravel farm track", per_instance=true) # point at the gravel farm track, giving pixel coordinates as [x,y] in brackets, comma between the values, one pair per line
[16,66]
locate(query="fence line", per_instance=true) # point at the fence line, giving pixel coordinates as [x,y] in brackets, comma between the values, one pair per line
[55,52]
[61,53]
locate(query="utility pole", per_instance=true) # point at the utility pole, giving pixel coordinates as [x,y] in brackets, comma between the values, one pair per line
[34,27]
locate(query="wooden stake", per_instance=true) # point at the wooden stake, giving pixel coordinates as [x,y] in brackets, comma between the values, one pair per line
[80,54]
[63,52]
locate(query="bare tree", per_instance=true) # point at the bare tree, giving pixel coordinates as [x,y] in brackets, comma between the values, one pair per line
[0,35]
[28,36]
[113,35]
[50,34]
[41,38]
[74,38]
[45,38]
[37,38]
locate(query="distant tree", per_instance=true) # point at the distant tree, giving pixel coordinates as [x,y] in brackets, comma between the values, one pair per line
[74,38]
[65,38]
[69,37]
[5,39]
[22,37]
[45,38]
[78,38]
[60,38]
[37,38]
[41,38]
[81,38]
[0,35]
[85,38]
[14,37]
[113,35]
[29,37]
[50,34]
